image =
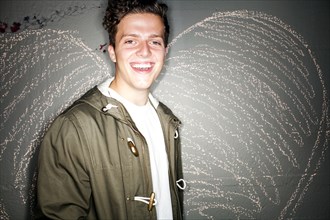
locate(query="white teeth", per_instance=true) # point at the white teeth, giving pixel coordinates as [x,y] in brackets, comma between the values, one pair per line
[142,66]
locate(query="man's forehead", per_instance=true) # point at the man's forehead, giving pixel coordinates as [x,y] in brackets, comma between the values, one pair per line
[136,35]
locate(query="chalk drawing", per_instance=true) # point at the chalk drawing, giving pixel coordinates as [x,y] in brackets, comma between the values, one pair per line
[255,112]
[246,86]
[42,72]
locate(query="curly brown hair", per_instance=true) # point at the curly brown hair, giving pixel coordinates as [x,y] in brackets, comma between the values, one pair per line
[118,9]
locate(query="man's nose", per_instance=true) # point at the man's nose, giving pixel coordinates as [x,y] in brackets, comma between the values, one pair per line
[144,49]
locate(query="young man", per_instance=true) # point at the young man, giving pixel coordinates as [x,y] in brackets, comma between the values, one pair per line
[115,153]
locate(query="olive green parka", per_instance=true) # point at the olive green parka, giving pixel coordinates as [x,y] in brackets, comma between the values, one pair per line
[94,162]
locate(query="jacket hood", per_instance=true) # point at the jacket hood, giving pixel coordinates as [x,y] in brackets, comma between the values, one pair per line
[103,104]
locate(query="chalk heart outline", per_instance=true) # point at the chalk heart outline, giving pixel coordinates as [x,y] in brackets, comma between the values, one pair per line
[255,110]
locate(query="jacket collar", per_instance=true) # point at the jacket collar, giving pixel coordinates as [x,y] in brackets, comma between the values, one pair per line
[105,90]
[110,106]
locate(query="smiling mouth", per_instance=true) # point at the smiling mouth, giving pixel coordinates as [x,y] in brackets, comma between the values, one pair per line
[142,67]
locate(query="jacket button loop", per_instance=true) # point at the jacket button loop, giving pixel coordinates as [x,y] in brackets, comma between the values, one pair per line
[132,147]
[176,134]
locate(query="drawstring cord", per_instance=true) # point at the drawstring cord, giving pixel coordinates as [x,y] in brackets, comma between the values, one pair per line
[108,107]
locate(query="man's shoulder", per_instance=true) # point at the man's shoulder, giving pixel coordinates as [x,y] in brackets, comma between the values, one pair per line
[165,108]
[89,100]
[82,108]
[166,111]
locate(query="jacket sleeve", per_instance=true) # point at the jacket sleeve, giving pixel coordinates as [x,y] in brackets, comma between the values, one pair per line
[63,184]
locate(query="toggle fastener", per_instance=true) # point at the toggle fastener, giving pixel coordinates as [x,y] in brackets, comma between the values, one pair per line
[132,147]
[150,201]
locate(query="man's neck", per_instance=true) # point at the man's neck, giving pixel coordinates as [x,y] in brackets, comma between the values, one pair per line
[136,97]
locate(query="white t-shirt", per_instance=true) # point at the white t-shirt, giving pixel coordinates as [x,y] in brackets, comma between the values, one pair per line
[147,121]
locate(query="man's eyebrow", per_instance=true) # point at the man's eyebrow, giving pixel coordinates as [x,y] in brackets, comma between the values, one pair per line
[156,35]
[129,35]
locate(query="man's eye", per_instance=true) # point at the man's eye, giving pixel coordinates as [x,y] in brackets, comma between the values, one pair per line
[159,43]
[129,42]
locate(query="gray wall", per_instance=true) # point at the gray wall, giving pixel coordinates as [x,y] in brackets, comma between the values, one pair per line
[249,80]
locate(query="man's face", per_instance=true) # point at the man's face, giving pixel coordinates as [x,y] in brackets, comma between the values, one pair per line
[139,52]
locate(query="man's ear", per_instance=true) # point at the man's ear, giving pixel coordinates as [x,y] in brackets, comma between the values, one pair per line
[112,53]
[166,50]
